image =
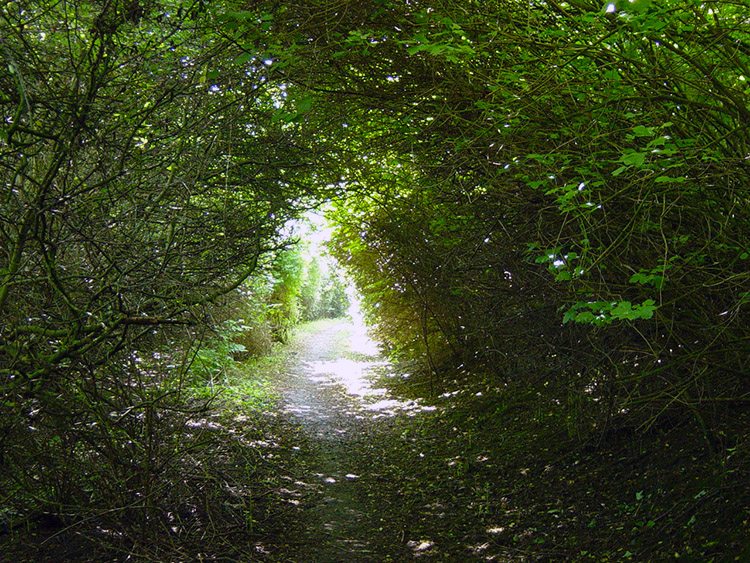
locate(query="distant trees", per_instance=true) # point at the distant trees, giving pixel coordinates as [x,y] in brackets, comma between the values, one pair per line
[301,291]
[323,295]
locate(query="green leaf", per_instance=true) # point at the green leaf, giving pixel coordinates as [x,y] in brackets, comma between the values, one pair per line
[622,310]
[634,158]
[641,131]
[644,277]
[305,104]
[658,142]
[664,180]
[585,317]
[244,58]
[619,170]
[436,49]
[643,311]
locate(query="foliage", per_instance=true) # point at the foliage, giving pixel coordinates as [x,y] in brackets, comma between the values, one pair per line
[546,188]
[334,300]
[212,362]
[140,184]
[288,272]
[547,195]
[323,295]
[303,292]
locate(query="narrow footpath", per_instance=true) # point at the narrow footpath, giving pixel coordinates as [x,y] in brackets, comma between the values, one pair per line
[328,392]
[365,478]
[374,477]
[371,478]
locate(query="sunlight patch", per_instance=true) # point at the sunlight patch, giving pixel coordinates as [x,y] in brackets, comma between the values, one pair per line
[260,548]
[477,549]
[203,423]
[360,342]
[420,546]
[349,373]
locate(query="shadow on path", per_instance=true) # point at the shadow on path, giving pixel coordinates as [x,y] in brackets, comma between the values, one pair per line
[329,391]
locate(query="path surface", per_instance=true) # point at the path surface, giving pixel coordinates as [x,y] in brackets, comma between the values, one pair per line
[329,391]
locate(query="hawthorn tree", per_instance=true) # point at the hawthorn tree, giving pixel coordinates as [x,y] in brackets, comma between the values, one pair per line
[144,171]
[555,190]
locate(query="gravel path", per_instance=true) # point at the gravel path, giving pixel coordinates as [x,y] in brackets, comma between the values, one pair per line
[328,391]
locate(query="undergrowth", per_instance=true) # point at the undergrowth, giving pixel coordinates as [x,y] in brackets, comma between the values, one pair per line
[493,474]
[525,485]
[196,482]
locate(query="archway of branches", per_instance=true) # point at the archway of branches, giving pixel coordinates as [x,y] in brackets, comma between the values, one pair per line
[548,196]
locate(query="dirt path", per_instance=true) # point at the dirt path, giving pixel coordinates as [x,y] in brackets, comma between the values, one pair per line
[328,391]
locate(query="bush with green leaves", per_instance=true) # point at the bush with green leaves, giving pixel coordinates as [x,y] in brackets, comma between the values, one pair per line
[546,188]
[144,177]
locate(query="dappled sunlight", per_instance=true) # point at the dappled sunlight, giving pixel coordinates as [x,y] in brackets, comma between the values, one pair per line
[337,398]
[422,547]
[349,373]
[356,371]
[356,378]
[356,429]
[360,342]
[392,407]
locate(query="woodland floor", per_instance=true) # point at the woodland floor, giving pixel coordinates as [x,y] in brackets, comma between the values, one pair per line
[377,478]
[332,467]
[372,483]
[356,460]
